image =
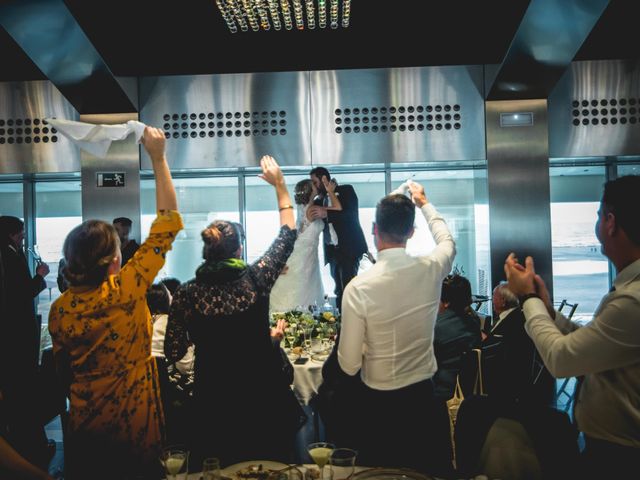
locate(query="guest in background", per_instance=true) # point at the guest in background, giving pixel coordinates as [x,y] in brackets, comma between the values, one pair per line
[513,370]
[60,280]
[172,284]
[128,246]
[457,331]
[389,313]
[19,343]
[244,405]
[176,379]
[101,331]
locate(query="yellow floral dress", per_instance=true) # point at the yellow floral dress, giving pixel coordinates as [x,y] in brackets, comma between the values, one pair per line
[106,334]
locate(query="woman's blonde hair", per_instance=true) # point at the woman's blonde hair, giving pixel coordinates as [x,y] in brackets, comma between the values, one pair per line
[88,250]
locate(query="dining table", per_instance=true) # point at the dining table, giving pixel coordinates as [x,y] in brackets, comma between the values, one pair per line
[307,376]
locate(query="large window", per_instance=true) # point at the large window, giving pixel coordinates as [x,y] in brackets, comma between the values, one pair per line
[200,201]
[460,196]
[580,271]
[11,198]
[58,210]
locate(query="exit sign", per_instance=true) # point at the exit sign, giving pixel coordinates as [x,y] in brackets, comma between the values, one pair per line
[110,179]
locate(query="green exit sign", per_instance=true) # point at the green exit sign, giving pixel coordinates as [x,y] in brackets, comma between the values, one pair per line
[110,179]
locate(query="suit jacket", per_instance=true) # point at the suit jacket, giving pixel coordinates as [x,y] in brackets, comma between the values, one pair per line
[19,330]
[514,371]
[346,223]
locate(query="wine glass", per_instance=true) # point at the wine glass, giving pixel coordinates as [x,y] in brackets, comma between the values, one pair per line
[175,460]
[319,453]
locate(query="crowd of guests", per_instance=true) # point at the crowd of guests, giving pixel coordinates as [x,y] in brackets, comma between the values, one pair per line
[124,346]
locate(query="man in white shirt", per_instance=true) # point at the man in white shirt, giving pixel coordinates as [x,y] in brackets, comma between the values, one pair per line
[389,313]
[606,351]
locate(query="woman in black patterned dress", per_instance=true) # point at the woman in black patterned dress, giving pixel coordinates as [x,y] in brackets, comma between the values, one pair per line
[244,406]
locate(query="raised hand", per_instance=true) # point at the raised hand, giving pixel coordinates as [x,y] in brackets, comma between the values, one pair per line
[329,186]
[42,269]
[521,279]
[417,193]
[271,172]
[154,142]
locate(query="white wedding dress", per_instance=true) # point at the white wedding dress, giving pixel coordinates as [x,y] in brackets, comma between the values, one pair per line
[301,285]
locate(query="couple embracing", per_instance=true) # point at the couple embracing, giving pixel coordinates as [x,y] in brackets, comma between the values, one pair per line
[328,211]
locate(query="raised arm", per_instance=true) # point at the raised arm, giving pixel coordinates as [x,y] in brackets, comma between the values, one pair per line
[336,206]
[272,174]
[154,142]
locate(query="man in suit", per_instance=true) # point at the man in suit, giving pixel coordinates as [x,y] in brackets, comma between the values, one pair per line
[343,239]
[513,369]
[128,246]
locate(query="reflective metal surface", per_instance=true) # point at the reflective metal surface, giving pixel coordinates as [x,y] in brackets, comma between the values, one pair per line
[547,40]
[217,121]
[397,115]
[595,110]
[518,182]
[107,203]
[51,36]
[27,144]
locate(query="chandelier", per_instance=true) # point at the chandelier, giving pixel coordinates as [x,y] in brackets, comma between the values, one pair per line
[262,14]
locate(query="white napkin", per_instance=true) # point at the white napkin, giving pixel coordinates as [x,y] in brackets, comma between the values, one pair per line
[402,189]
[96,139]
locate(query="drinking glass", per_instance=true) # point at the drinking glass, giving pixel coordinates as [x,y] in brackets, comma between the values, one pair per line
[211,469]
[342,462]
[175,460]
[319,453]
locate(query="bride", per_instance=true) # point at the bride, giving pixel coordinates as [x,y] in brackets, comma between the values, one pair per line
[300,283]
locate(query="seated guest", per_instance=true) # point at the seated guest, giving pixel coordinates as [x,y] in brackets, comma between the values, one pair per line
[101,332]
[176,379]
[457,331]
[172,284]
[244,407]
[513,370]
[606,351]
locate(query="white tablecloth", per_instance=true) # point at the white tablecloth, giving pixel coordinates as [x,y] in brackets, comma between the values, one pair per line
[306,380]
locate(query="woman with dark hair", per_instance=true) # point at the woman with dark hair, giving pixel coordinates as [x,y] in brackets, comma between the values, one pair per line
[457,330]
[301,283]
[244,406]
[101,331]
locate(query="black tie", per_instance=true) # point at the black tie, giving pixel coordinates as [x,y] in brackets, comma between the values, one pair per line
[326,233]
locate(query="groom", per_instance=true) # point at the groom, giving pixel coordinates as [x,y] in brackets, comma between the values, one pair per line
[344,242]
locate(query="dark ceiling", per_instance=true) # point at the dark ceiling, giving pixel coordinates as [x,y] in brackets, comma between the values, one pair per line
[148,38]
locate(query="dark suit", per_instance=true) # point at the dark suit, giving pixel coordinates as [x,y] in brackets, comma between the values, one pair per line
[19,351]
[344,258]
[513,370]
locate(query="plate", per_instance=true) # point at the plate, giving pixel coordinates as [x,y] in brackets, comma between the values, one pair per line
[320,357]
[389,474]
[255,466]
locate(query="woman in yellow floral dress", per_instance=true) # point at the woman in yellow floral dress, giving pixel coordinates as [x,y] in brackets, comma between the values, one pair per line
[101,330]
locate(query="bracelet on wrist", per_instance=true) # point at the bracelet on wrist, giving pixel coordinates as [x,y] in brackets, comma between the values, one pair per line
[527,296]
[284,207]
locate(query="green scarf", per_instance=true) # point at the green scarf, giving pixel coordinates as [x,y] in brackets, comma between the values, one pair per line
[222,271]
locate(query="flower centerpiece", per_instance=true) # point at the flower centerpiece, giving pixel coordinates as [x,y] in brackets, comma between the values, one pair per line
[303,325]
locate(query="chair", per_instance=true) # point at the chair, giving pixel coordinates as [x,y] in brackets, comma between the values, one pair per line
[567,388]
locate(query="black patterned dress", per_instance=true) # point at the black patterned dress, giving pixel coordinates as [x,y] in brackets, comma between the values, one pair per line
[244,408]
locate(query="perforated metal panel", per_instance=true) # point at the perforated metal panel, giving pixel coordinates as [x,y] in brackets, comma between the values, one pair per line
[595,110]
[27,143]
[397,115]
[217,121]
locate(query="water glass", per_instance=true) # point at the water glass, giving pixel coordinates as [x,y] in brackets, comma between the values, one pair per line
[342,462]
[211,469]
[175,460]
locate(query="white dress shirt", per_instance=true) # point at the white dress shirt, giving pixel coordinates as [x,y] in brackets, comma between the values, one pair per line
[606,351]
[185,364]
[389,313]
